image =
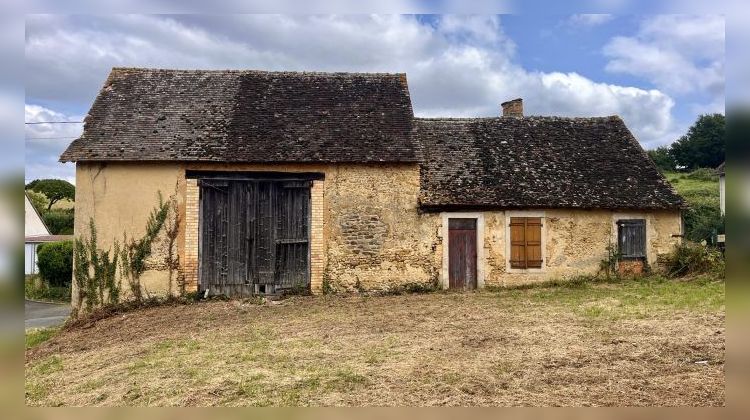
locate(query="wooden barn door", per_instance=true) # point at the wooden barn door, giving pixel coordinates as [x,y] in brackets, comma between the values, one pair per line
[214,258]
[462,253]
[254,236]
[292,234]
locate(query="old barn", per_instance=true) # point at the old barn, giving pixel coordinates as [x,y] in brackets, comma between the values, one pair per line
[316,181]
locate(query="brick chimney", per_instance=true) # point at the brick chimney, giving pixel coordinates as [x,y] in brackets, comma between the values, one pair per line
[513,108]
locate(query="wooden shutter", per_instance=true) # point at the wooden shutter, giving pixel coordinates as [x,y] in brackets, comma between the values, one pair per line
[517,242]
[533,242]
[525,242]
[631,238]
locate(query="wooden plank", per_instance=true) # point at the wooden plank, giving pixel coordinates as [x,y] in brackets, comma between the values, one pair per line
[533,242]
[462,253]
[631,236]
[518,242]
[214,234]
[265,234]
[254,233]
[292,235]
[237,270]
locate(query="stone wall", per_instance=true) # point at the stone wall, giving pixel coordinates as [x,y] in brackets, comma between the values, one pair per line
[574,242]
[376,238]
[366,230]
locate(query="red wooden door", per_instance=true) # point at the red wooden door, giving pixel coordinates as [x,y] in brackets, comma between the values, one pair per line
[462,253]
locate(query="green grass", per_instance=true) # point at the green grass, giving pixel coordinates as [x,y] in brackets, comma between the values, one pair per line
[628,298]
[38,336]
[49,365]
[700,189]
[695,191]
[35,289]
[430,349]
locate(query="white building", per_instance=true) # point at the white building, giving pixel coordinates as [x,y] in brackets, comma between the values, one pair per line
[35,232]
[722,194]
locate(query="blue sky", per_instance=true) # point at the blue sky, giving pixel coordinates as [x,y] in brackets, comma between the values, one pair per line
[561,44]
[659,72]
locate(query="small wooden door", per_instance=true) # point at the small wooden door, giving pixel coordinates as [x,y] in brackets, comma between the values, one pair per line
[462,253]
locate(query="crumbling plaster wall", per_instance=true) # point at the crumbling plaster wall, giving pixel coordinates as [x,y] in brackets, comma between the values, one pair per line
[373,235]
[574,241]
[119,197]
[377,239]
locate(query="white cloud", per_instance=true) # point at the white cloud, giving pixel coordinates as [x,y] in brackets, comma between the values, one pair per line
[589,19]
[577,94]
[456,65]
[45,142]
[678,54]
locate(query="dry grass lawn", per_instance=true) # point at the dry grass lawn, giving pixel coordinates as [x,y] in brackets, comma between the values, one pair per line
[648,342]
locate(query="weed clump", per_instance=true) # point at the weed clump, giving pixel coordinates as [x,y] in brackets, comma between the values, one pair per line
[690,258]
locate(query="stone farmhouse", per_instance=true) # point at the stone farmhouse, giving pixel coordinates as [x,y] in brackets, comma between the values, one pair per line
[327,181]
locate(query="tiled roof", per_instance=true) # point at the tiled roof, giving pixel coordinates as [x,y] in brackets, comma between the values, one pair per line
[537,162]
[274,117]
[32,239]
[247,116]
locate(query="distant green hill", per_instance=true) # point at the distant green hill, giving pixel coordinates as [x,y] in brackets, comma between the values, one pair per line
[697,187]
[700,189]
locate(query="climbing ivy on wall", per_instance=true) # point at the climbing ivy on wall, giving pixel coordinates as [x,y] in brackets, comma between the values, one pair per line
[95,272]
[135,251]
[172,225]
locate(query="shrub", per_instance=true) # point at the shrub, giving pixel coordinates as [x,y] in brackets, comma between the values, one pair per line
[691,258]
[608,265]
[702,174]
[40,290]
[663,158]
[410,288]
[59,221]
[702,221]
[328,288]
[55,262]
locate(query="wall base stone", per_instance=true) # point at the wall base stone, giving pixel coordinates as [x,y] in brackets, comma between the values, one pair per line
[630,268]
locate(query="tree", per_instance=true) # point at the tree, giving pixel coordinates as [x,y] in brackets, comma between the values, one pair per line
[663,158]
[54,189]
[59,221]
[38,200]
[704,144]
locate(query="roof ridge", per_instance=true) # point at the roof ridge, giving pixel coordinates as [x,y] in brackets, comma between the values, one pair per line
[525,117]
[254,71]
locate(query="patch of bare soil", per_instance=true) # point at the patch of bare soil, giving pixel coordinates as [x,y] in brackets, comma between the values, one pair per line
[472,349]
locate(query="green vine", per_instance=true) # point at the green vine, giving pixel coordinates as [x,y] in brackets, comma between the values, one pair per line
[328,288]
[172,260]
[135,251]
[95,271]
[608,265]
